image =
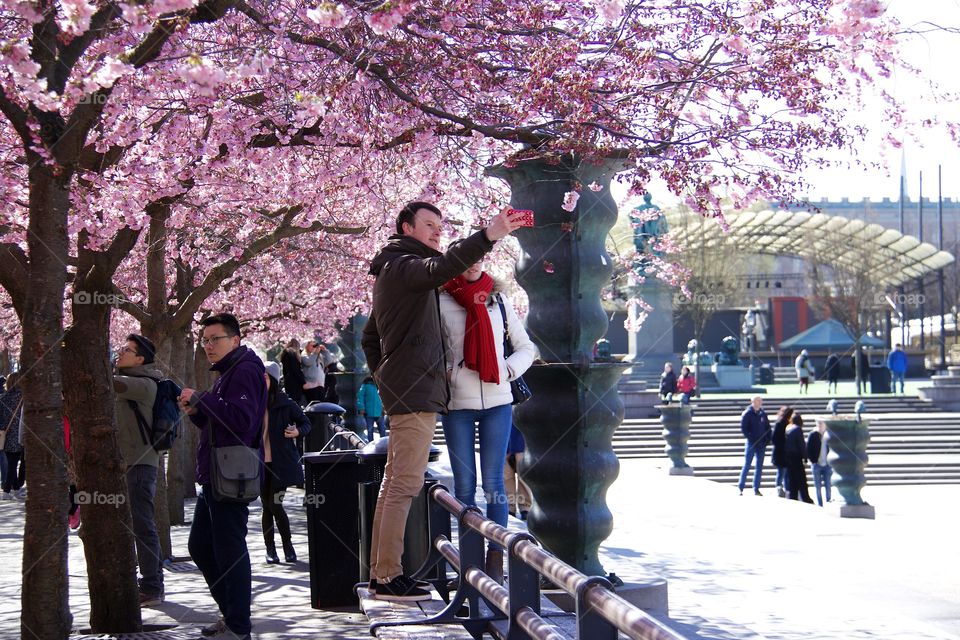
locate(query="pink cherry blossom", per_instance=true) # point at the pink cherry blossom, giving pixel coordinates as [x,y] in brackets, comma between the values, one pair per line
[329,14]
[570,200]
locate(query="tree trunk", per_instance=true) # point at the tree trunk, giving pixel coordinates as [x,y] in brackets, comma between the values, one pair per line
[45,611]
[108,541]
[181,361]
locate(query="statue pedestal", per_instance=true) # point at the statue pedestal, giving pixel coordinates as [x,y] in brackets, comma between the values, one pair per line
[945,392]
[732,376]
[652,345]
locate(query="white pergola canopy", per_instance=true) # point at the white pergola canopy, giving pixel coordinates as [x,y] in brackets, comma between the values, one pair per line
[896,258]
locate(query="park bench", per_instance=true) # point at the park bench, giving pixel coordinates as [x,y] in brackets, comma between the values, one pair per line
[516,611]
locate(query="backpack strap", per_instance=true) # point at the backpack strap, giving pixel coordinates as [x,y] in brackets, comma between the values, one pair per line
[141,422]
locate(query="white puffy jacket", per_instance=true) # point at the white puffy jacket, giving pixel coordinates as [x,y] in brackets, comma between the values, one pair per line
[466,389]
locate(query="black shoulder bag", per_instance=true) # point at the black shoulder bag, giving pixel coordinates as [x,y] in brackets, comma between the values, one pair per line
[521,392]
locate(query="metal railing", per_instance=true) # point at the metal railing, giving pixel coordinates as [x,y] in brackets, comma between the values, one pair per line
[513,611]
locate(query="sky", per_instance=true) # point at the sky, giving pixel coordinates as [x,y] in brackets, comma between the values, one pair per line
[936,55]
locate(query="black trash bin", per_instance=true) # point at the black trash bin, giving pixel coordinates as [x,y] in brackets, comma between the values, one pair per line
[766,374]
[417,538]
[333,516]
[322,416]
[879,379]
[340,497]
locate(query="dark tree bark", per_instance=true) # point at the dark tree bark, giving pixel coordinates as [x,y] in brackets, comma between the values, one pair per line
[45,611]
[107,531]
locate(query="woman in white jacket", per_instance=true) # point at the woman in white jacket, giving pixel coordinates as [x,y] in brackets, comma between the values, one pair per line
[473,323]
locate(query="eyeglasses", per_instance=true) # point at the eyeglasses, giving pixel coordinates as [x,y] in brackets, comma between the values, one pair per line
[211,340]
[128,350]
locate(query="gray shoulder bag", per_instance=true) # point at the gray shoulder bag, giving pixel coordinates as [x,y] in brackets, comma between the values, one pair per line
[234,472]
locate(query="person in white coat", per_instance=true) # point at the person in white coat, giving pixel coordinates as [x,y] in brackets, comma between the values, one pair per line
[475,317]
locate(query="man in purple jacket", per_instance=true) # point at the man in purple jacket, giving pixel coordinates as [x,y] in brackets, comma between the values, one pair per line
[233,408]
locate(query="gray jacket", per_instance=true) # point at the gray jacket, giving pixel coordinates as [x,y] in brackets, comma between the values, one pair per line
[138,384]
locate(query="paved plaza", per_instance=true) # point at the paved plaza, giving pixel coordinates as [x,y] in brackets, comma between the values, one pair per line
[737,567]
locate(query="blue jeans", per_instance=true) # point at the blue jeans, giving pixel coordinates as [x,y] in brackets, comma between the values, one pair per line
[458,430]
[142,487]
[894,376]
[782,478]
[218,545]
[821,475]
[684,398]
[381,427]
[750,452]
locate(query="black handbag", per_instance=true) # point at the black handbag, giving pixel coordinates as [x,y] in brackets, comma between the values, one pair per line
[518,388]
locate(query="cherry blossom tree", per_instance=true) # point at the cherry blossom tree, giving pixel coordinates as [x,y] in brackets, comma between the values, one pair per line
[182,154]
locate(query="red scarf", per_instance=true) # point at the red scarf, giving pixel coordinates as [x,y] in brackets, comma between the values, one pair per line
[479,349]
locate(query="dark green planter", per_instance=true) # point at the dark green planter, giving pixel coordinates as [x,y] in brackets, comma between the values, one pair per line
[569,422]
[676,419]
[848,439]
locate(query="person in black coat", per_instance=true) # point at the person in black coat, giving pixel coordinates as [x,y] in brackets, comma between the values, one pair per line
[285,421]
[796,456]
[778,456]
[832,371]
[330,388]
[668,383]
[293,378]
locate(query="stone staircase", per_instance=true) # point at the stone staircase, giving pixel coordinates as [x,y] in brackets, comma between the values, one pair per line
[911,441]
[784,374]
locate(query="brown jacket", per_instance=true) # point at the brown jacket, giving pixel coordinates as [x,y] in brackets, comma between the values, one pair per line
[402,339]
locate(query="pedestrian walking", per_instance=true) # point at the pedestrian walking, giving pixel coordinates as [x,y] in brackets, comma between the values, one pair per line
[831,370]
[370,408]
[284,423]
[805,371]
[897,363]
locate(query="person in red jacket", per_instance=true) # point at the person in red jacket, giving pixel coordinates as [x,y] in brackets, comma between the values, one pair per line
[686,384]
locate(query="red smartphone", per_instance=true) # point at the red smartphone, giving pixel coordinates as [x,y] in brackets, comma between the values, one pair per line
[527,216]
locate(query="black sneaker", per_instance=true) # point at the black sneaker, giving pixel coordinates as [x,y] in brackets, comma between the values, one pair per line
[400,589]
[421,584]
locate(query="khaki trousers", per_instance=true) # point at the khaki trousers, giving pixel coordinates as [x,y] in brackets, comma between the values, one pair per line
[410,437]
